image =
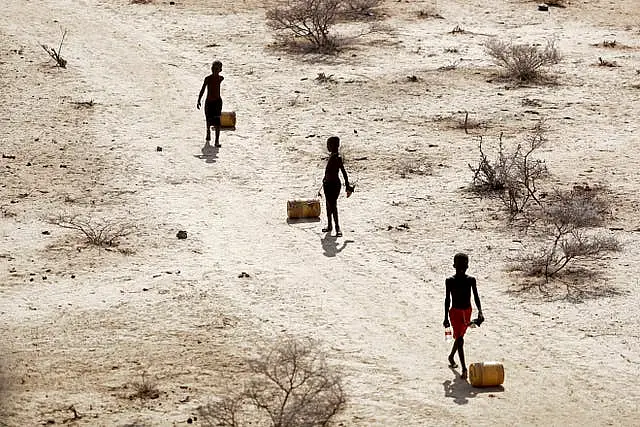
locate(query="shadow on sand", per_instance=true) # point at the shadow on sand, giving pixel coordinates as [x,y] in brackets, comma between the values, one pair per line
[209,153]
[302,220]
[330,245]
[461,391]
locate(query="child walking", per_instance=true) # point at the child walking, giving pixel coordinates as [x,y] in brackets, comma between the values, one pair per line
[213,103]
[458,295]
[331,184]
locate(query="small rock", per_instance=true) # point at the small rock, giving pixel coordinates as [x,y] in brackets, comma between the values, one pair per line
[181,235]
[158,148]
[543,7]
[46,233]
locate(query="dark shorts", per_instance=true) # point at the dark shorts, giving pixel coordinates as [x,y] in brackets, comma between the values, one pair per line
[212,111]
[331,189]
[460,318]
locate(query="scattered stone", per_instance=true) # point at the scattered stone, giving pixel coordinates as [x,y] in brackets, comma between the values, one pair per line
[8,156]
[46,232]
[181,235]
[243,274]
[158,148]
[543,7]
[73,276]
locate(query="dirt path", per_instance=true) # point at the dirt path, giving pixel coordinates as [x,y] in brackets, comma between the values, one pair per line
[178,312]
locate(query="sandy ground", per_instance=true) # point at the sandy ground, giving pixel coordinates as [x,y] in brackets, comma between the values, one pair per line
[79,324]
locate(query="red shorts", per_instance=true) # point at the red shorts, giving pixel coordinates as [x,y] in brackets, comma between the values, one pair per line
[459,318]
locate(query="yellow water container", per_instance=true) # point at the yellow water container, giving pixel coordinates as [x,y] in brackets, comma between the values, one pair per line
[486,374]
[303,208]
[228,120]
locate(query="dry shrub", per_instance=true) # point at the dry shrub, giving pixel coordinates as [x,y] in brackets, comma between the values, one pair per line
[146,388]
[355,9]
[567,222]
[429,13]
[555,3]
[513,175]
[103,233]
[522,62]
[606,63]
[563,222]
[56,54]
[325,79]
[291,385]
[305,23]
[413,167]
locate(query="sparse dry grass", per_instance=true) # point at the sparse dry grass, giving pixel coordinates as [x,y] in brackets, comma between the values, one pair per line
[144,389]
[521,62]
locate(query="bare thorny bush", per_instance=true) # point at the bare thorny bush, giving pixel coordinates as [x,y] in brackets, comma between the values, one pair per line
[568,218]
[513,175]
[307,20]
[291,385]
[306,24]
[563,220]
[57,54]
[102,233]
[522,62]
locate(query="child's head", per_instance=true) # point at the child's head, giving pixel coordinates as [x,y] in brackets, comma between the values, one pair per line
[461,262]
[216,66]
[333,144]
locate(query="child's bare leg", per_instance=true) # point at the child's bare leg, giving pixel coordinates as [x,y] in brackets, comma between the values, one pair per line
[217,143]
[208,137]
[454,348]
[329,206]
[335,220]
[460,340]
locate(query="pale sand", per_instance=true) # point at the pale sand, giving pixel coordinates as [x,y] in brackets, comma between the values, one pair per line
[177,310]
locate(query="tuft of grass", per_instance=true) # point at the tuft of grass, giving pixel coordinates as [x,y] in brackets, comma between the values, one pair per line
[146,388]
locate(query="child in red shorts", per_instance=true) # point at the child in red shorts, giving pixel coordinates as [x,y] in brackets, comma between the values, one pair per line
[458,297]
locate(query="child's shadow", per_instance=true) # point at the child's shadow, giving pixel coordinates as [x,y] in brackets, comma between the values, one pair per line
[209,153]
[330,245]
[461,391]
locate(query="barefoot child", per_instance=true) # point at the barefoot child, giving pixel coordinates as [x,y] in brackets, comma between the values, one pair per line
[213,103]
[331,184]
[458,294]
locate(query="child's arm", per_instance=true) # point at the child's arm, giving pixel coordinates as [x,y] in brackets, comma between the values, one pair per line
[447,303]
[204,85]
[344,174]
[476,297]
